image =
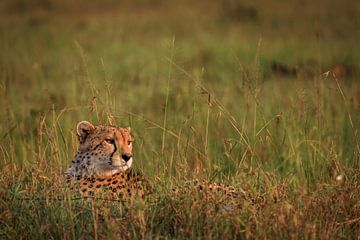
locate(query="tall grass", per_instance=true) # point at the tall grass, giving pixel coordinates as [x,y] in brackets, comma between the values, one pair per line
[202,102]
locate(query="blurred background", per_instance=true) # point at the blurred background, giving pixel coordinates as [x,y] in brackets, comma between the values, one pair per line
[180,72]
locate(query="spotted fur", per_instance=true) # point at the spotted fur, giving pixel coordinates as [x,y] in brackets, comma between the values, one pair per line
[103,162]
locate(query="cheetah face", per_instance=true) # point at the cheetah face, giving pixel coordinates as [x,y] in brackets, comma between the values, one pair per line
[103,150]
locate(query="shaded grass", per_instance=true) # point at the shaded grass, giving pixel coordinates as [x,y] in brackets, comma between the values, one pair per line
[269,208]
[203,103]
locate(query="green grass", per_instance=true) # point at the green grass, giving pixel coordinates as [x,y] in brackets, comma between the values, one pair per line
[194,81]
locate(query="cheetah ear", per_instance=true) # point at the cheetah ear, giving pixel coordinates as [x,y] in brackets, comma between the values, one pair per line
[129,129]
[83,129]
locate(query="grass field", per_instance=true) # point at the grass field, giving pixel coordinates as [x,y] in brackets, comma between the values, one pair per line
[264,96]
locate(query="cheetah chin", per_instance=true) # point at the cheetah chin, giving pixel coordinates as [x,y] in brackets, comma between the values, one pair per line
[123,167]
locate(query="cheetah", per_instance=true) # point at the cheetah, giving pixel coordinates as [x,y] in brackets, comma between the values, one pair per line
[103,163]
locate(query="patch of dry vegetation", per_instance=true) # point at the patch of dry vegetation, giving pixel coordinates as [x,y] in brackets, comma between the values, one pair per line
[263,210]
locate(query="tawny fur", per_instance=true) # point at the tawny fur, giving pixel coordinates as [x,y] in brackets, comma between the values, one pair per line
[103,162]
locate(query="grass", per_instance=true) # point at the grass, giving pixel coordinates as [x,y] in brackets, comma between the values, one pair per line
[203,102]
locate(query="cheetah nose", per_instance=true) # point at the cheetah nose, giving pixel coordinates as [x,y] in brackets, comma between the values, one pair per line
[126,157]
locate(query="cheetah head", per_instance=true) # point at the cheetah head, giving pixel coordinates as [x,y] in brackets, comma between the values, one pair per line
[103,150]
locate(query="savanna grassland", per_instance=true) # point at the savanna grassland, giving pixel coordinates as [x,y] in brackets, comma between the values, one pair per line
[263,96]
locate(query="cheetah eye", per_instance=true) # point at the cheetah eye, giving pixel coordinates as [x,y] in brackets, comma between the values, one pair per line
[110,141]
[129,142]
